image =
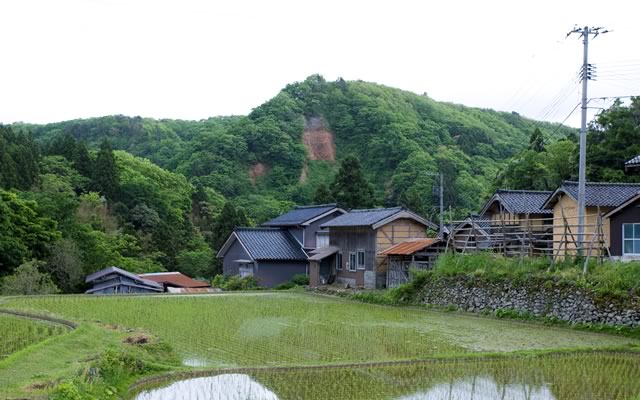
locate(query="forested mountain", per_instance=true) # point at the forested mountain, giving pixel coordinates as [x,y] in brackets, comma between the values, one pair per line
[149,195]
[261,160]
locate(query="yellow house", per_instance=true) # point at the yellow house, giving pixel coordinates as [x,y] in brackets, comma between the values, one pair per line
[600,199]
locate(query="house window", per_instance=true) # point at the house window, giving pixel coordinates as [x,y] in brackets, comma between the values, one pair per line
[352,261]
[631,239]
[322,239]
[245,270]
[360,259]
[339,261]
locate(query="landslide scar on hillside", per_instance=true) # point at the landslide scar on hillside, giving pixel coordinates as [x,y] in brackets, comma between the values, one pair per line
[318,140]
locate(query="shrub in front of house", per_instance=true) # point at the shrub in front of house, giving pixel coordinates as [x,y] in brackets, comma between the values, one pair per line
[235,283]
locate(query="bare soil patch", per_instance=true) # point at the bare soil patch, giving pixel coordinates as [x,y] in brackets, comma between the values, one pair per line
[258,170]
[318,140]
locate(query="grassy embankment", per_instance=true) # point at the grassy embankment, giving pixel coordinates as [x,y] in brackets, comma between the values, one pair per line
[255,329]
[611,282]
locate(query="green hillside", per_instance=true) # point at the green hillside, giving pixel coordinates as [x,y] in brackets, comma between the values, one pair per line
[152,195]
[260,159]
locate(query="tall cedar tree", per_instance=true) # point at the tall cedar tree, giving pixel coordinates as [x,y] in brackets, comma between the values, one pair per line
[323,195]
[229,218]
[19,157]
[105,173]
[82,160]
[536,141]
[351,189]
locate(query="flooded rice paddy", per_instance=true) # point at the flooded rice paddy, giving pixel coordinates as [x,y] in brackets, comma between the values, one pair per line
[577,376]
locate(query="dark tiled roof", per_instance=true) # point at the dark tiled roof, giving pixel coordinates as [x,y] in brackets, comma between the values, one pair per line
[270,244]
[599,194]
[634,161]
[300,215]
[521,201]
[363,217]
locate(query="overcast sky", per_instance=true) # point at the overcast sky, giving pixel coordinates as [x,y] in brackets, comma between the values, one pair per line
[192,59]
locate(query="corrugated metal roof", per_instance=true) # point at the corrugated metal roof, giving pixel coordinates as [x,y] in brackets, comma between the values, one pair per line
[598,194]
[410,247]
[193,290]
[634,161]
[365,217]
[270,244]
[174,279]
[520,201]
[300,215]
[115,270]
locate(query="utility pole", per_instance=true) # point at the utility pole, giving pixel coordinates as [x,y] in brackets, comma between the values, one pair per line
[441,204]
[587,73]
[441,194]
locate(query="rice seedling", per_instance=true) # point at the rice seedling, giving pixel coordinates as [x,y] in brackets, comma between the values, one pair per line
[613,376]
[16,333]
[257,329]
[276,329]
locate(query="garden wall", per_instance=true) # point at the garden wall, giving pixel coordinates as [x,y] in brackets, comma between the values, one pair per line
[542,298]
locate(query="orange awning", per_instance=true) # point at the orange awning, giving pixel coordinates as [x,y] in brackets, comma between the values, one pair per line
[409,247]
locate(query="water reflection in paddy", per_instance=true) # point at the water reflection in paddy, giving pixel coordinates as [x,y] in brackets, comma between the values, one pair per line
[220,387]
[614,376]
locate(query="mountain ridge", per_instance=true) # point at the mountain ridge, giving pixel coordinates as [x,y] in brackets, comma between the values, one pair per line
[397,135]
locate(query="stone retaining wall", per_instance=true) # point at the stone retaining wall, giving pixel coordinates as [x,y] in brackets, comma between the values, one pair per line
[558,300]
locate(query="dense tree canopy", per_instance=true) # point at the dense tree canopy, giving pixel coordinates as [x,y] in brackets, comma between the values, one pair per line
[351,189]
[614,137]
[23,233]
[169,192]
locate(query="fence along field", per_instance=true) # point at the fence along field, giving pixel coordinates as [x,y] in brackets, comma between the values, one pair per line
[16,333]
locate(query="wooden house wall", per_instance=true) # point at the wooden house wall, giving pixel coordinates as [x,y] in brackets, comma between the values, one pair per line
[235,252]
[271,273]
[311,230]
[536,221]
[398,231]
[352,239]
[570,208]
[629,215]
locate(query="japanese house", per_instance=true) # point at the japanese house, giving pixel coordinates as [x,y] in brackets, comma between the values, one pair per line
[624,225]
[633,166]
[304,223]
[114,280]
[278,250]
[356,240]
[601,198]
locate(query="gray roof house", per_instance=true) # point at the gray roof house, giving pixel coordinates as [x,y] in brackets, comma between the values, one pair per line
[356,241]
[304,222]
[114,280]
[597,194]
[601,198]
[624,227]
[278,250]
[632,164]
